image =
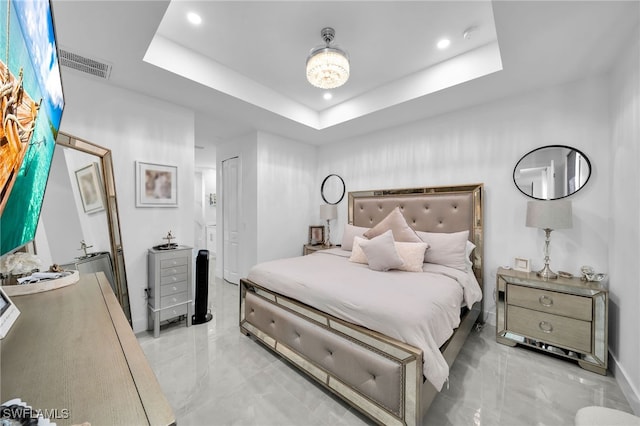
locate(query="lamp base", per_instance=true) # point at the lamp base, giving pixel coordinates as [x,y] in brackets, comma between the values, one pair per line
[547,273]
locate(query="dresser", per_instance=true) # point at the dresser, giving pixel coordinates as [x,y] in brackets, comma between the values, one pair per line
[565,316]
[73,353]
[169,291]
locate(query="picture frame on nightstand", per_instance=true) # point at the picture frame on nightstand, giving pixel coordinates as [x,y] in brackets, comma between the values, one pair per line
[520,264]
[316,235]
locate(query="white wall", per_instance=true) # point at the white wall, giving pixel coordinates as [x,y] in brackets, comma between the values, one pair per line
[286,179]
[482,145]
[136,127]
[624,221]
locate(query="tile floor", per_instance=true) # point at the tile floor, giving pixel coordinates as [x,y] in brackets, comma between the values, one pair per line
[213,375]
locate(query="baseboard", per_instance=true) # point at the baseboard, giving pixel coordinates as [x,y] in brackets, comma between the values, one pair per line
[629,391]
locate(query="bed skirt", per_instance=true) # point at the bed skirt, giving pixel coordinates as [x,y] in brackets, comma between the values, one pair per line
[379,376]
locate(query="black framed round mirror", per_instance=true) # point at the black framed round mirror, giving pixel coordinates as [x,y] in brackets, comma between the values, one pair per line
[552,172]
[332,189]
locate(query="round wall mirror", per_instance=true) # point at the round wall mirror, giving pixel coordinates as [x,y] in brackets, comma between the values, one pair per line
[332,189]
[552,172]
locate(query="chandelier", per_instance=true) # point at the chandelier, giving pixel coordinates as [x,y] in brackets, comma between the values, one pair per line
[327,66]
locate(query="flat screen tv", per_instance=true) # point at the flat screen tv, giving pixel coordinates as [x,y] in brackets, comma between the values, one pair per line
[32,105]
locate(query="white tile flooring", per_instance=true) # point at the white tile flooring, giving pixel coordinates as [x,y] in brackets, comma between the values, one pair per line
[213,375]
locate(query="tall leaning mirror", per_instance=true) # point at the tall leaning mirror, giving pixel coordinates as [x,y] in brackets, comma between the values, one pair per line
[79,217]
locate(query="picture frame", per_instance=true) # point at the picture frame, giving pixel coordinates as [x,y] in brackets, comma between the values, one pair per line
[90,188]
[316,235]
[156,185]
[523,265]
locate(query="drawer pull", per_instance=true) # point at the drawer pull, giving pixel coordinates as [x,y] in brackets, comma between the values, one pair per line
[545,301]
[546,327]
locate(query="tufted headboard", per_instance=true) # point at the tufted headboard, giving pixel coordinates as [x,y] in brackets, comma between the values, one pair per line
[432,209]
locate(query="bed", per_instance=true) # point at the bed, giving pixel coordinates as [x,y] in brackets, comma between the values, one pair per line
[335,319]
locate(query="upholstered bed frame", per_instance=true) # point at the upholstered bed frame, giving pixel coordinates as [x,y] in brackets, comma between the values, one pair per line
[380,376]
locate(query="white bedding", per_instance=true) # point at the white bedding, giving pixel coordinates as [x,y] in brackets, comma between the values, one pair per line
[419,308]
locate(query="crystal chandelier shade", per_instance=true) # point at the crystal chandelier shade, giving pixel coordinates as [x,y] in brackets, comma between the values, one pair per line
[327,66]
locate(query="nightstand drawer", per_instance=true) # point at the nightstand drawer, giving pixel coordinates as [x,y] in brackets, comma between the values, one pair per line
[174,299]
[172,279]
[176,311]
[177,261]
[169,289]
[567,305]
[566,332]
[164,272]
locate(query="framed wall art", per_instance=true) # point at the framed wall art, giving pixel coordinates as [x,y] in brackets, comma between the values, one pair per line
[90,188]
[156,185]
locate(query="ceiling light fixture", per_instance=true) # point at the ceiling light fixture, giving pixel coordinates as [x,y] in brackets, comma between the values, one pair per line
[327,96]
[327,66]
[444,43]
[194,18]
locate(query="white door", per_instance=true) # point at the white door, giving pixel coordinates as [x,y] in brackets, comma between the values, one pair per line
[230,222]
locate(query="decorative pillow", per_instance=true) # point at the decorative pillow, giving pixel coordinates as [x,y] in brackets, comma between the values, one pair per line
[381,252]
[351,231]
[447,249]
[467,254]
[412,255]
[357,255]
[398,225]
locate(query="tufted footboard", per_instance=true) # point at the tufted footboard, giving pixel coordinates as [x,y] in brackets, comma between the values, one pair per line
[380,376]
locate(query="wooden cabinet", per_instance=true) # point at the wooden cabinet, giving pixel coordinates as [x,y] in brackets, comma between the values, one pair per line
[169,291]
[72,354]
[564,316]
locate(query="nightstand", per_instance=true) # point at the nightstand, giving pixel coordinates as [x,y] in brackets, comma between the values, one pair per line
[564,316]
[308,248]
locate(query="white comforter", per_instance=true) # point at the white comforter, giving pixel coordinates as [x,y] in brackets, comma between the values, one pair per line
[419,308]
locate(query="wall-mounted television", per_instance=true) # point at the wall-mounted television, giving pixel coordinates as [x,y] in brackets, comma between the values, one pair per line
[32,105]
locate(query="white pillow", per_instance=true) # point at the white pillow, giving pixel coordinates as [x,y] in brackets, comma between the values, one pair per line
[447,249]
[467,258]
[357,255]
[349,233]
[381,252]
[412,255]
[395,222]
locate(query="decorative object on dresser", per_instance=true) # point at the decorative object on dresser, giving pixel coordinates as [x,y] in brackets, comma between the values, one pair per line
[316,235]
[549,215]
[169,291]
[565,316]
[328,212]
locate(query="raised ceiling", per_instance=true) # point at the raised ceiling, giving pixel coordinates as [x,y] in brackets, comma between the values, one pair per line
[242,68]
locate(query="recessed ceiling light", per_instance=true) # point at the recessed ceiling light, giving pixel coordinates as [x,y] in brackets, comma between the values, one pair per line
[194,18]
[327,95]
[444,43]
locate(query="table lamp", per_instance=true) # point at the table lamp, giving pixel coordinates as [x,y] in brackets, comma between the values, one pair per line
[549,215]
[328,212]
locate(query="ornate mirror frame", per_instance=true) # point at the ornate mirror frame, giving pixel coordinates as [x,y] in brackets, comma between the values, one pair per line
[111,207]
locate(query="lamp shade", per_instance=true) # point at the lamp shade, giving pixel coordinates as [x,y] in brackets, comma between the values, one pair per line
[555,214]
[328,211]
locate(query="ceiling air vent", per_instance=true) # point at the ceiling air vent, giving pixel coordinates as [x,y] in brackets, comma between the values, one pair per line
[84,64]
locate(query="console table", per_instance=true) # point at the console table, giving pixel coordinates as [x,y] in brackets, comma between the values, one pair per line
[73,353]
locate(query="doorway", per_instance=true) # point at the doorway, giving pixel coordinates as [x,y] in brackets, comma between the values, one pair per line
[230,223]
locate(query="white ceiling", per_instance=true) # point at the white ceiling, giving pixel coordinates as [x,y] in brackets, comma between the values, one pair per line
[243,67]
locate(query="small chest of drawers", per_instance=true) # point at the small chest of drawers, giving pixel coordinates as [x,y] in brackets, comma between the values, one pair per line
[169,291]
[564,316]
